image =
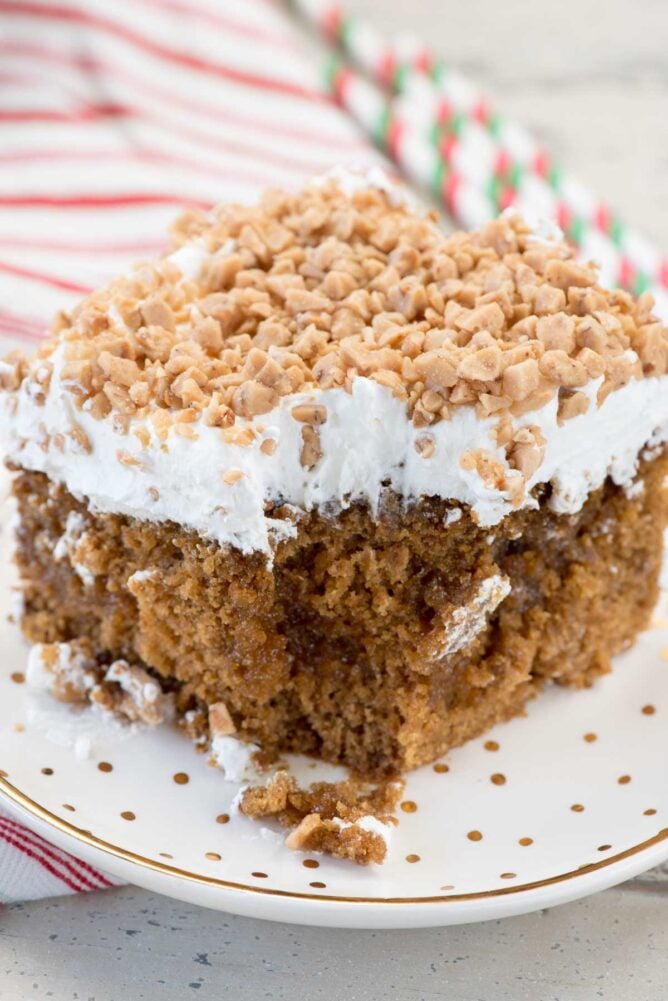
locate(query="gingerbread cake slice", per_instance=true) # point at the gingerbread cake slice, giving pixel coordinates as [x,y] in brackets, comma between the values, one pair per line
[324,479]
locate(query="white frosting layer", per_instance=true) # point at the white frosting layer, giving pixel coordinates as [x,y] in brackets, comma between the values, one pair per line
[234,758]
[143,690]
[367,823]
[66,547]
[351,182]
[191,258]
[368,443]
[374,826]
[471,619]
[85,730]
[71,668]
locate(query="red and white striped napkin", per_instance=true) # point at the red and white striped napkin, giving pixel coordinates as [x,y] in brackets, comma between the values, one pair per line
[115,116]
[31,868]
[112,118]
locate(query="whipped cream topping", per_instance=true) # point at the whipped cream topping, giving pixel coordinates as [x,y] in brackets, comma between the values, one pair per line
[143,691]
[67,547]
[351,181]
[368,823]
[69,667]
[191,258]
[85,730]
[472,618]
[234,757]
[368,443]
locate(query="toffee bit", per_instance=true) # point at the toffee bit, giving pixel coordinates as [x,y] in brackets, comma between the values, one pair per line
[313,290]
[232,476]
[311,450]
[80,440]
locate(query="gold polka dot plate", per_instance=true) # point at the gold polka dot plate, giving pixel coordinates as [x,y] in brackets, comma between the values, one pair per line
[558,804]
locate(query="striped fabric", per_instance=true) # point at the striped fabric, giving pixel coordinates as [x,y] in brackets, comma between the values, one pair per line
[112,118]
[31,868]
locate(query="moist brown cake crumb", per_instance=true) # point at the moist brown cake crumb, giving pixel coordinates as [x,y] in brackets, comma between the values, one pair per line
[326,817]
[376,640]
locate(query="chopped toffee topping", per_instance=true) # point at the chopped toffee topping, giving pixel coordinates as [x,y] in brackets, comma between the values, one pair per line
[311,290]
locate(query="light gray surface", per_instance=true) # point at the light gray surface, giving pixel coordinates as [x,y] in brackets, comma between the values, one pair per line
[128,945]
[591,79]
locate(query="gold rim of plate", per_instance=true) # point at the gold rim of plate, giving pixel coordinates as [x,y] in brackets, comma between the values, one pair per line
[88,838]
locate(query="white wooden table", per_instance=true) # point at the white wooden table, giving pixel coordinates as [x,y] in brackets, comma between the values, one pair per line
[591,79]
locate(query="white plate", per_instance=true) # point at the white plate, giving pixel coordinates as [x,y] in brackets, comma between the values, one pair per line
[555,814]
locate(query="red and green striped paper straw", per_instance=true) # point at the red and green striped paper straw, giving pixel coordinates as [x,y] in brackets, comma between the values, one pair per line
[411,150]
[476,149]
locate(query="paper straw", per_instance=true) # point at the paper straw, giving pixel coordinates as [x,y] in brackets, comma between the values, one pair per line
[480,150]
[410,149]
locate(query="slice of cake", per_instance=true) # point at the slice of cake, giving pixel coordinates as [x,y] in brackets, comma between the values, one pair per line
[340,483]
